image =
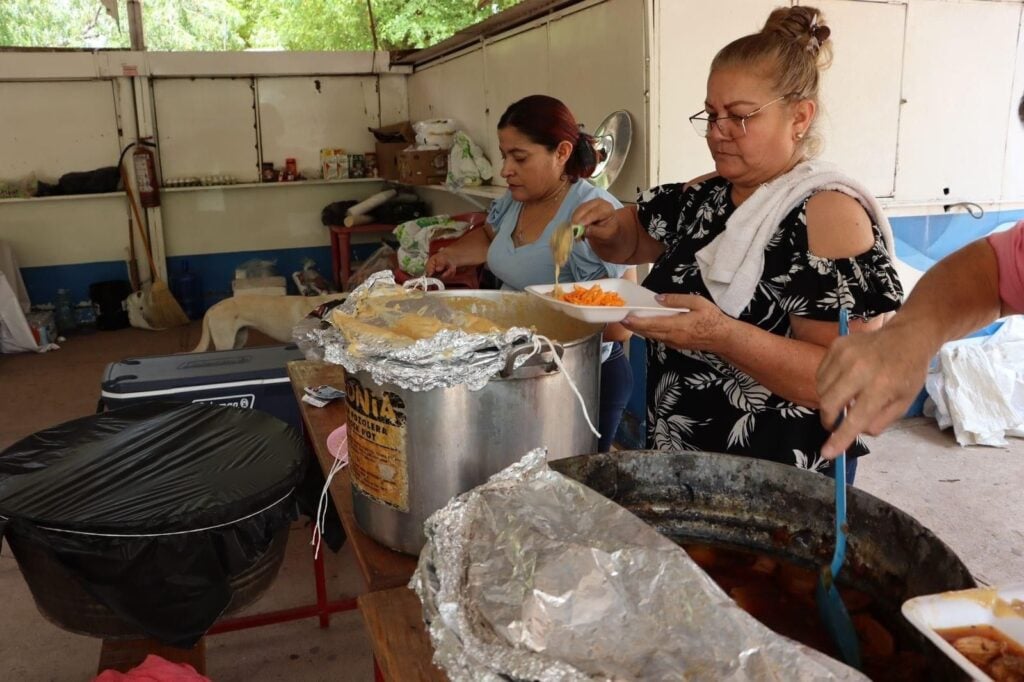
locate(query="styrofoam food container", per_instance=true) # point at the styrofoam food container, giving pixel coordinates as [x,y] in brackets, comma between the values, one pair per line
[980,606]
[639,301]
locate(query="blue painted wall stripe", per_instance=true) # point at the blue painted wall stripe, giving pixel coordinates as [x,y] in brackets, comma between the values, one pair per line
[214,271]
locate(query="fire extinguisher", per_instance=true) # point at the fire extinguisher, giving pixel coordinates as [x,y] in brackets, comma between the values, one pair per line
[144,162]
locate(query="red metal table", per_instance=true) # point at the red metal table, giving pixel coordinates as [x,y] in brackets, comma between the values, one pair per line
[341,247]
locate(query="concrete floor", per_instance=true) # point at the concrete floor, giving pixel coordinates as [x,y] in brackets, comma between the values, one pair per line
[971,498]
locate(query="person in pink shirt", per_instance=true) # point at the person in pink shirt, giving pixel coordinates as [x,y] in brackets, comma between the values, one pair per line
[878,374]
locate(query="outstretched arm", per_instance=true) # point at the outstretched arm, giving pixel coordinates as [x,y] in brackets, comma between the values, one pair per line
[879,374]
[470,249]
[616,235]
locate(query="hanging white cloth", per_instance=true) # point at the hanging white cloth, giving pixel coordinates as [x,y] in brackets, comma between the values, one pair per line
[15,334]
[9,267]
[732,264]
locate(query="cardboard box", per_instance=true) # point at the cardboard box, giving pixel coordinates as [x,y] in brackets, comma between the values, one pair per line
[262,286]
[423,166]
[392,140]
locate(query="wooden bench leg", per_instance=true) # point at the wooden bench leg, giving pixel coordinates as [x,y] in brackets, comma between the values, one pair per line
[123,655]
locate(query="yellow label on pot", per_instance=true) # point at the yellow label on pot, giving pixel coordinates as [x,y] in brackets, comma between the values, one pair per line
[376,444]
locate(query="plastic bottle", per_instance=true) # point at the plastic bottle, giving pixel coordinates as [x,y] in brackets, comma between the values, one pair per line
[186,288]
[85,316]
[65,313]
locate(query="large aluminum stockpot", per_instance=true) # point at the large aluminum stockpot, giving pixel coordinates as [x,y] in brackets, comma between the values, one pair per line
[412,451]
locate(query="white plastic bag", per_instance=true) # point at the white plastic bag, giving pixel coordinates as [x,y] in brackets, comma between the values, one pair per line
[467,165]
[435,132]
[979,388]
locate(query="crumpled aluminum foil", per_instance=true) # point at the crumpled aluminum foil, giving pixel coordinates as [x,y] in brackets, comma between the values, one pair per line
[452,357]
[533,576]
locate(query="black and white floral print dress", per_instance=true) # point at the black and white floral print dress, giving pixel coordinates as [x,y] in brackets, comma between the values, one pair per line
[698,401]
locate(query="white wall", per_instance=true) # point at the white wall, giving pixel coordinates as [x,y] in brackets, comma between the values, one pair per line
[226,220]
[921,95]
[65,231]
[958,86]
[686,37]
[52,127]
[590,56]
[75,111]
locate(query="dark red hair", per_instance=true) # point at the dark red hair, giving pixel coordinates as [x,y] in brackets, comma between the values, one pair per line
[548,122]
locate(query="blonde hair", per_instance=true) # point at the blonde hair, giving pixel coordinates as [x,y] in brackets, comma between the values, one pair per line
[792,49]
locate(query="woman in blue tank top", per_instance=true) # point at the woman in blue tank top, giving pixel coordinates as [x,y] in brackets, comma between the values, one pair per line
[545,162]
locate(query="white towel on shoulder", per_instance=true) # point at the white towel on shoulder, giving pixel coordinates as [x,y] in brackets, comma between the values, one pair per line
[732,264]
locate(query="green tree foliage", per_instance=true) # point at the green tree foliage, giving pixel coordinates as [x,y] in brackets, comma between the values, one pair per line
[307,24]
[58,23]
[403,24]
[191,25]
[243,24]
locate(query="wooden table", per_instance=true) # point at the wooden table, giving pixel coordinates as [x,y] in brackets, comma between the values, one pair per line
[381,567]
[401,647]
[392,612]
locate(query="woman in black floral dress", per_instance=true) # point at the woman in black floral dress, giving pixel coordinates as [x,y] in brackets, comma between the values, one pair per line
[736,373]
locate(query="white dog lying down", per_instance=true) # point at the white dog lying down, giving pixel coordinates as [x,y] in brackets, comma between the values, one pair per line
[227,323]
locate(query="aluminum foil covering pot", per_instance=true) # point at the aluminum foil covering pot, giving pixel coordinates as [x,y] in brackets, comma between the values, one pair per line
[533,576]
[429,421]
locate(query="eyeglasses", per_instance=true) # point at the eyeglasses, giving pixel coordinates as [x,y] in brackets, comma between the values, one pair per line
[730,126]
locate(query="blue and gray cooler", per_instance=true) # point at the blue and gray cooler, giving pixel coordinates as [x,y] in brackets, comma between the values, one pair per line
[249,378]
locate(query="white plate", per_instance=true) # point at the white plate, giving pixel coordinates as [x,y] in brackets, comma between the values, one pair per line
[639,301]
[981,606]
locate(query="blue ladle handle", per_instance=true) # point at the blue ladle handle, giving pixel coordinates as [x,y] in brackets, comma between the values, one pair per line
[840,468]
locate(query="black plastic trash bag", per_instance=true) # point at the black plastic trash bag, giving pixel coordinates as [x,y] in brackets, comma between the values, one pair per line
[159,511]
[98,181]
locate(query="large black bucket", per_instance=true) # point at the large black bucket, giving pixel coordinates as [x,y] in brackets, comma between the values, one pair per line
[109,298]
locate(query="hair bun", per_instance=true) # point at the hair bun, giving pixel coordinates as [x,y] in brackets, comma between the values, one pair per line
[585,154]
[799,24]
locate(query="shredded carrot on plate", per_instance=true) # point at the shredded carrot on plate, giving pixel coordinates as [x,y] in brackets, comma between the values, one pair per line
[594,295]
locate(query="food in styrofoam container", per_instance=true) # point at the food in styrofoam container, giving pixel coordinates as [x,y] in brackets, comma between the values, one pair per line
[638,301]
[946,616]
[592,295]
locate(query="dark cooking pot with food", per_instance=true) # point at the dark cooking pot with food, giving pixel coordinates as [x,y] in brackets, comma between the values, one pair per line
[763,529]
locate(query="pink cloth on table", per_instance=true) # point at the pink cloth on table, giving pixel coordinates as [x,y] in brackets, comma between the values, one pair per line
[1009,248]
[154,669]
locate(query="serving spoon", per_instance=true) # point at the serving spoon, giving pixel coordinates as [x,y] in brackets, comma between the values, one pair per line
[831,608]
[561,248]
